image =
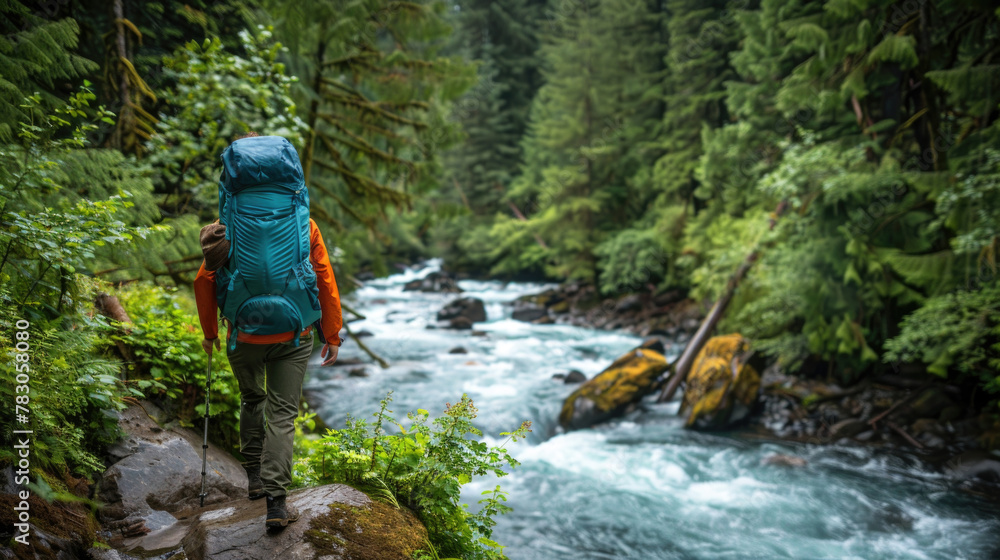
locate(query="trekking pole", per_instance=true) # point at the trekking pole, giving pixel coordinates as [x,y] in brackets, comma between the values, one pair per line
[204,444]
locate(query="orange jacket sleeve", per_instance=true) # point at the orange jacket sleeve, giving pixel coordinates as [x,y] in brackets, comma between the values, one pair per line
[329,295]
[208,307]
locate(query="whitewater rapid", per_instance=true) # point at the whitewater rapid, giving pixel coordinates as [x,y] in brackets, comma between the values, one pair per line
[641,487]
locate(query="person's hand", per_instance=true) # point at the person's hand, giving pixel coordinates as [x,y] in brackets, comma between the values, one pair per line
[206,345]
[329,354]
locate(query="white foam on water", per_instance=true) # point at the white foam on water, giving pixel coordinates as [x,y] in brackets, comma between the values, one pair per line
[642,487]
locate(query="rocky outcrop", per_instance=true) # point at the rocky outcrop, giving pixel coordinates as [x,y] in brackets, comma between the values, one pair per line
[153,507]
[461,313]
[157,473]
[722,387]
[337,522]
[614,390]
[527,311]
[433,282]
[668,314]
[975,464]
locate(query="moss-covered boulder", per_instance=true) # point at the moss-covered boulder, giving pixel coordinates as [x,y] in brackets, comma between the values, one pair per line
[721,388]
[611,392]
[337,523]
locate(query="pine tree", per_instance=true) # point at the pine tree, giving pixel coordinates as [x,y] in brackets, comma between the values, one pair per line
[502,35]
[700,36]
[372,89]
[36,53]
[589,123]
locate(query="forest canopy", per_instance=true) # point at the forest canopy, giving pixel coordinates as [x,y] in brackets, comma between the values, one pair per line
[637,146]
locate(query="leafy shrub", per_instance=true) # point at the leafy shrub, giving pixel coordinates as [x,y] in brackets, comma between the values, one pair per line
[955,333]
[422,467]
[63,203]
[73,387]
[167,342]
[216,95]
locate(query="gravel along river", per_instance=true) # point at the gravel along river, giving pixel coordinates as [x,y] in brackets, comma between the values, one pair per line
[642,487]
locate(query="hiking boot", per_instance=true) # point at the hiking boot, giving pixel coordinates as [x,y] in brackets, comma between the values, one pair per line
[255,488]
[279,514]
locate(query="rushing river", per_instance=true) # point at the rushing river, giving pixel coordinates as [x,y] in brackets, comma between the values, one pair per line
[642,487]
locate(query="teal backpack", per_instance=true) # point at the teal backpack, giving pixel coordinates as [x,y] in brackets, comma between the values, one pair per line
[268,285]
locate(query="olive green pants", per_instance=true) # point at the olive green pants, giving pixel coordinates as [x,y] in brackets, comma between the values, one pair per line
[270,379]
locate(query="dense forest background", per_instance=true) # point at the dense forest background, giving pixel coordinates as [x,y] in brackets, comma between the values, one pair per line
[638,146]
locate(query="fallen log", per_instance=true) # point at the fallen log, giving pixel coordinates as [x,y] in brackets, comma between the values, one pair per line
[679,370]
[109,306]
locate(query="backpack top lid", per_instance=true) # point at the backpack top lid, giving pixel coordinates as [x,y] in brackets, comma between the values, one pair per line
[261,160]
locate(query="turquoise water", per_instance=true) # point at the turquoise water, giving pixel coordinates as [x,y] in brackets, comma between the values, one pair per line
[642,487]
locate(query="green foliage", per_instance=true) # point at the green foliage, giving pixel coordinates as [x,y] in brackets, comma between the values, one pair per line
[374,89]
[956,333]
[422,467]
[64,206]
[74,388]
[216,96]
[172,365]
[493,114]
[633,259]
[35,54]
[577,181]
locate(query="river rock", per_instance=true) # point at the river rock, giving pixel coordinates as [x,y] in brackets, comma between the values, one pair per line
[528,312]
[433,282]
[890,518]
[654,343]
[848,428]
[929,404]
[463,312]
[337,523]
[721,387]
[975,464]
[574,376]
[559,307]
[611,392]
[158,473]
[458,350]
[782,460]
[630,302]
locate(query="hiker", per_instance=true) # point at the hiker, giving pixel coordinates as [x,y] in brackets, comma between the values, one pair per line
[267,269]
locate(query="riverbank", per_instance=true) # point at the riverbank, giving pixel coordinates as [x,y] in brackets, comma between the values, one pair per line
[147,505]
[907,409]
[639,486]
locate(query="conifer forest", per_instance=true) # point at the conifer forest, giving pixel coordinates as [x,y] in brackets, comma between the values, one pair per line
[806,192]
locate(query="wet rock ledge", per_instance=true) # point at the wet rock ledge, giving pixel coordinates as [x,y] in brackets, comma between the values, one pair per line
[668,314]
[150,497]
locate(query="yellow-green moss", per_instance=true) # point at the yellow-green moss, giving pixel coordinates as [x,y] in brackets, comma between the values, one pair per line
[626,380]
[712,388]
[378,531]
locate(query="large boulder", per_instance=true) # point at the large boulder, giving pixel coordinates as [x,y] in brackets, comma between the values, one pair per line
[721,387]
[433,282]
[336,522]
[614,390]
[527,311]
[462,312]
[157,473]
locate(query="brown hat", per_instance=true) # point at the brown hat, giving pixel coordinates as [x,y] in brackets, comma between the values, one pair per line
[214,245]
